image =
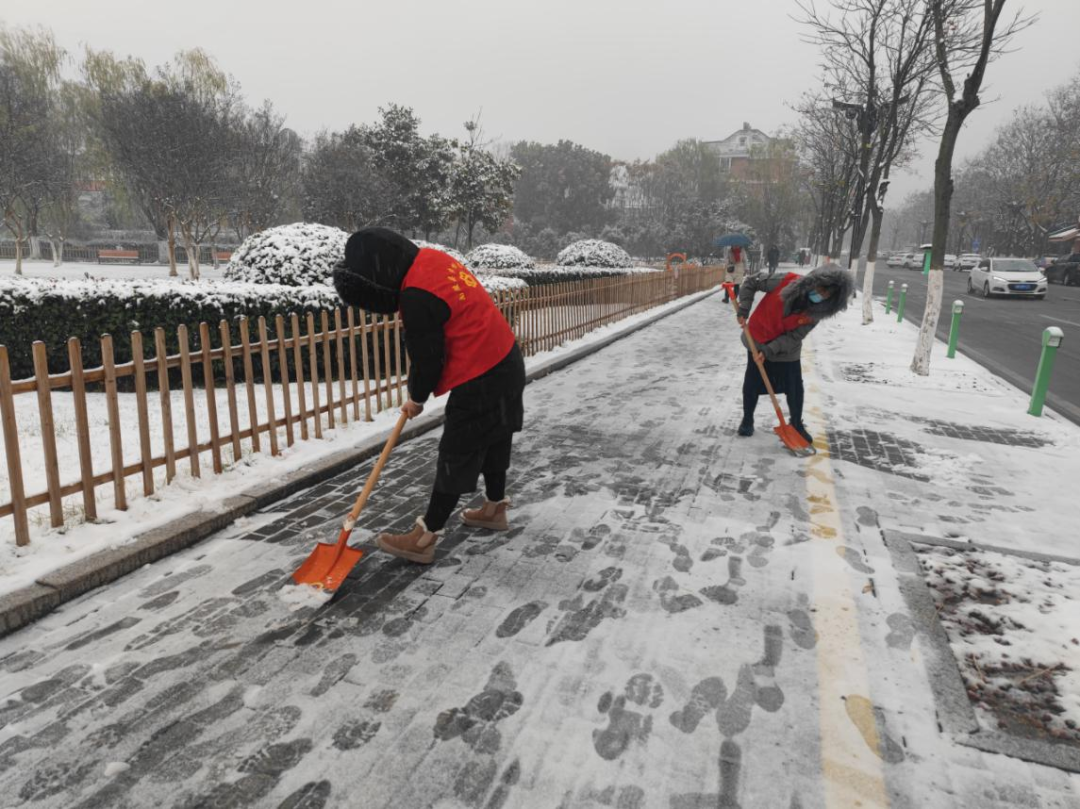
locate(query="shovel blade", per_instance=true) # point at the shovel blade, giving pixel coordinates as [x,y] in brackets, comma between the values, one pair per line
[795,443]
[325,569]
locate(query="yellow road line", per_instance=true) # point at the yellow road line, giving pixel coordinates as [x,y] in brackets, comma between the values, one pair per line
[850,744]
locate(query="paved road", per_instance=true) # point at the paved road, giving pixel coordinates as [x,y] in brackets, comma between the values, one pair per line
[1003,334]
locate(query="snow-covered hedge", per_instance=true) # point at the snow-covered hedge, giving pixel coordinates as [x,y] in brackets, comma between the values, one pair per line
[450,251]
[594,253]
[488,257]
[54,310]
[294,255]
[555,273]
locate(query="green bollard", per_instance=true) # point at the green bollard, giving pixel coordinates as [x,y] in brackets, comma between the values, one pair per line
[903,302]
[888,298]
[954,330]
[927,250]
[1052,338]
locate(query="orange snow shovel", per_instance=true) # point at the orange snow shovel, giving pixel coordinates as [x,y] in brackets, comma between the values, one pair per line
[328,565]
[795,443]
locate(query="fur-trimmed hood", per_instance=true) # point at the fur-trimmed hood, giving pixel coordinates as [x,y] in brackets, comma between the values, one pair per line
[796,296]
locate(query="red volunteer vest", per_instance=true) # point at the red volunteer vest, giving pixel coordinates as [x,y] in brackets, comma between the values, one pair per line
[768,321]
[477,335]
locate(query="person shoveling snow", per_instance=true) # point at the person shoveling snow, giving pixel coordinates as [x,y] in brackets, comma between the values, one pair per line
[458,342]
[792,306]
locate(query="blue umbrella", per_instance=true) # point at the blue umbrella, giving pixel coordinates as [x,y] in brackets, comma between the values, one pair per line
[734,240]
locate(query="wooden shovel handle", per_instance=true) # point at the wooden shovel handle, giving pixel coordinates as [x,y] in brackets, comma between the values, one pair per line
[754,350]
[373,478]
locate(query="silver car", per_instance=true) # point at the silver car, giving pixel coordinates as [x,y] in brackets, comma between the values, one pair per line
[1014,277]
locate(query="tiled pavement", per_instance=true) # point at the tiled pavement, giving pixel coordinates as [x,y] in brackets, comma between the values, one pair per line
[678,619]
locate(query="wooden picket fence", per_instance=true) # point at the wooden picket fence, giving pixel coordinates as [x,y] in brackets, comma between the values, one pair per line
[355,357]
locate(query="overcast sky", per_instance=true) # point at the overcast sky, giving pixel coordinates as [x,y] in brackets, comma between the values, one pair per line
[626,77]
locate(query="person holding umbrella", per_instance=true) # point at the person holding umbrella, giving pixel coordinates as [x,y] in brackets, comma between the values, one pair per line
[458,342]
[793,305]
[735,244]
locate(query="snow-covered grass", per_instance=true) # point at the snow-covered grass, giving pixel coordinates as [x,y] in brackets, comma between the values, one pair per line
[297,255]
[51,548]
[1014,626]
[82,270]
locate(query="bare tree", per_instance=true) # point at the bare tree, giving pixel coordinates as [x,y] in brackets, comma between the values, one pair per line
[30,64]
[264,171]
[968,34]
[67,147]
[828,148]
[878,64]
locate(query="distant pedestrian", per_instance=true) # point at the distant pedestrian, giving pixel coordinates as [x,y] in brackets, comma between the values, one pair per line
[458,342]
[736,271]
[792,306]
[773,258]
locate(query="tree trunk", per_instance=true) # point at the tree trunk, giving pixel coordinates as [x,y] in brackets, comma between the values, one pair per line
[192,251]
[57,251]
[871,263]
[943,192]
[35,248]
[172,249]
[15,226]
[163,251]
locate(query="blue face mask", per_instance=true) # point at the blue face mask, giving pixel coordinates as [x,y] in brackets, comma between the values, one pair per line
[816,297]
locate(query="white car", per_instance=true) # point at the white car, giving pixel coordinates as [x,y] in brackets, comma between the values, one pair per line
[951,262]
[896,260]
[912,261]
[1016,277]
[969,261]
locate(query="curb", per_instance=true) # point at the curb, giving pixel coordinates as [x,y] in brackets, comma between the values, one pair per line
[955,714]
[27,604]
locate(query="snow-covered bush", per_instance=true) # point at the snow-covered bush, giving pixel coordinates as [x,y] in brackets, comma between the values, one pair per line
[498,257]
[54,310]
[594,253]
[555,273]
[450,251]
[294,255]
[496,283]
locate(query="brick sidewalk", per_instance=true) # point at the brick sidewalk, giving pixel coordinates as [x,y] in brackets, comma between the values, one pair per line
[678,619]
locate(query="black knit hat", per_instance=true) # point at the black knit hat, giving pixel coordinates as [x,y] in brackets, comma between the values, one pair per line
[375,264]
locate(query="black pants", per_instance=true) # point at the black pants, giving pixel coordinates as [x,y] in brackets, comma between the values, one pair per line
[494,462]
[785,377]
[481,417]
[736,287]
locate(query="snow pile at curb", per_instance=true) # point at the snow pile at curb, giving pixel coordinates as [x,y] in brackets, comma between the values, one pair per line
[1014,626]
[294,255]
[594,253]
[499,257]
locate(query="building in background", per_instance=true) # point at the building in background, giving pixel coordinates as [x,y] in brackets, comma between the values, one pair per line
[738,149]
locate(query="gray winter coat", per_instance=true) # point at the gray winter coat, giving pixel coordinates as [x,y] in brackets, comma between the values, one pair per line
[796,296]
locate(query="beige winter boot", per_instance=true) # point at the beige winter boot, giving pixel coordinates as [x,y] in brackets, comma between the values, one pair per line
[417,546]
[490,515]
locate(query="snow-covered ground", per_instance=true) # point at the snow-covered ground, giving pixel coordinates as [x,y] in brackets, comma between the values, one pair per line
[79,270]
[964,458]
[1014,627]
[50,548]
